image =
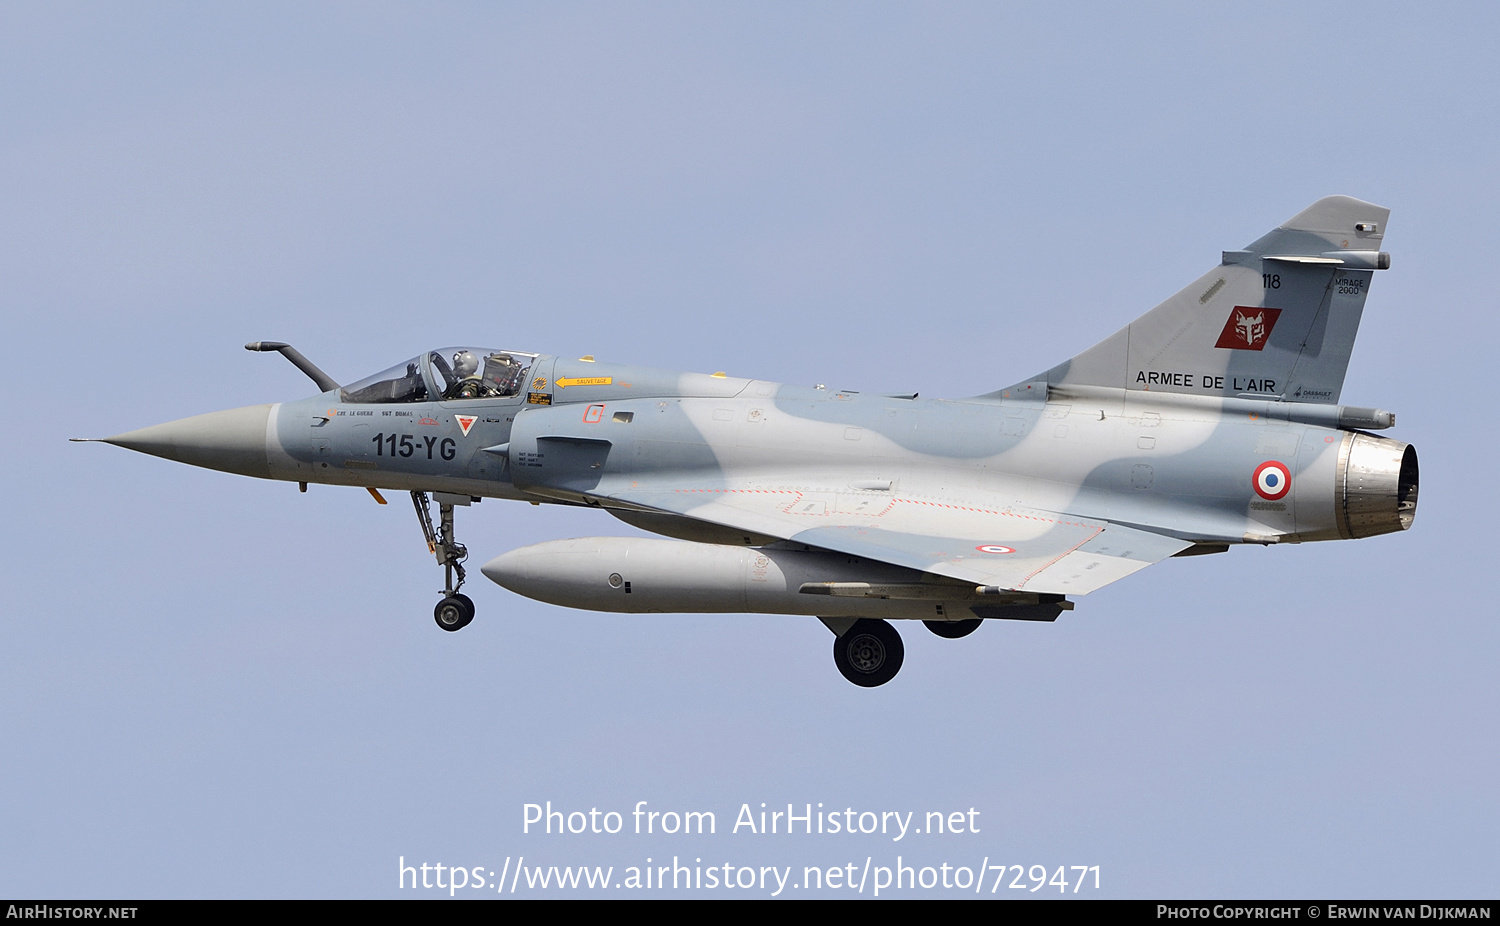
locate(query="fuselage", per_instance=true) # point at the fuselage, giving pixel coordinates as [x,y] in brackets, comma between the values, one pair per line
[1210,470]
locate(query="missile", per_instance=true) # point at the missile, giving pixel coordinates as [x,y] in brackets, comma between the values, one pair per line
[636,575]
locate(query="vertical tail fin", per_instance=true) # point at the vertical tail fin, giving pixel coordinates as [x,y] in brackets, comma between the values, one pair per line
[1274,320]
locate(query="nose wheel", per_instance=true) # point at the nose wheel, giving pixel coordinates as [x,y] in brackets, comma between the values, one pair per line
[456,610]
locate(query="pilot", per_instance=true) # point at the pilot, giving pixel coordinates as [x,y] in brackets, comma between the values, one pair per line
[466,384]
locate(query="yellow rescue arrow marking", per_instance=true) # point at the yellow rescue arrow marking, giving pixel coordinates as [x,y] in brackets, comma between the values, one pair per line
[563,382]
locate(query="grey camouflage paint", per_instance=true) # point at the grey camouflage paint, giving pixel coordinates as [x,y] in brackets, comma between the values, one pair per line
[1210,421]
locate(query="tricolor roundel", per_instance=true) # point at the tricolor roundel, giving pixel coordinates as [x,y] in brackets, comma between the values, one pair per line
[994,548]
[1272,480]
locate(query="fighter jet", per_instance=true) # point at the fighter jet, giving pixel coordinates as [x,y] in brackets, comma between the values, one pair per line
[1210,422]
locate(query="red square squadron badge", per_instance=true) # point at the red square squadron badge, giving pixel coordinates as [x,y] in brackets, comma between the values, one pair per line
[1248,328]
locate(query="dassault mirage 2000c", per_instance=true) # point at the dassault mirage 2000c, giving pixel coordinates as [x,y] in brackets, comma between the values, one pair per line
[1210,421]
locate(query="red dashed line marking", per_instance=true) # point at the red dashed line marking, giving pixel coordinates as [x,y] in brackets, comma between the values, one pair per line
[1022,584]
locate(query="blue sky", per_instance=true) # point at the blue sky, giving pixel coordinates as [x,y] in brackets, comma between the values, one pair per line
[216,687]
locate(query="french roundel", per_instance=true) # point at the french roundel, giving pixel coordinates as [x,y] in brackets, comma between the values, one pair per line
[994,548]
[1272,480]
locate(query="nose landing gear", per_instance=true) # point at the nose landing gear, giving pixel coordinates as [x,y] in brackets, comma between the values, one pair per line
[456,610]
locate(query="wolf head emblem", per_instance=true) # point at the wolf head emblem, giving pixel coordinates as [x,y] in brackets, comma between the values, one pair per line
[1248,327]
[1251,328]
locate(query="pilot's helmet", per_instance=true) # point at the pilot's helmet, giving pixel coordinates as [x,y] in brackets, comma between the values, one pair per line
[465,364]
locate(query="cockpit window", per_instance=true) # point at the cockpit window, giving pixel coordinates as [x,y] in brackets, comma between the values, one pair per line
[449,373]
[476,373]
[401,383]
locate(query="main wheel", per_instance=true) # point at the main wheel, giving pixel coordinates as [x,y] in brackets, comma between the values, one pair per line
[952,630]
[454,612]
[869,653]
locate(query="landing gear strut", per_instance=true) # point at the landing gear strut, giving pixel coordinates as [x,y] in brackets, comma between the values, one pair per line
[869,653]
[456,610]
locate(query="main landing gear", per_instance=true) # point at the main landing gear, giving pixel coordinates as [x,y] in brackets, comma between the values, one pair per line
[456,610]
[869,653]
[953,630]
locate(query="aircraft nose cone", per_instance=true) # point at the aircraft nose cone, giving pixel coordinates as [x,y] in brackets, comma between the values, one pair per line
[233,441]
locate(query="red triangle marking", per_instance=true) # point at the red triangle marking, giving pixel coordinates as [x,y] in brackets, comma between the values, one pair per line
[466,422]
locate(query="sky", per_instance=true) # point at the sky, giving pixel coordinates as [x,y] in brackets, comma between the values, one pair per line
[214,686]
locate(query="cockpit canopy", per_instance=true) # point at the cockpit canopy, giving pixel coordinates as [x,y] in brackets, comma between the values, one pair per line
[449,373]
